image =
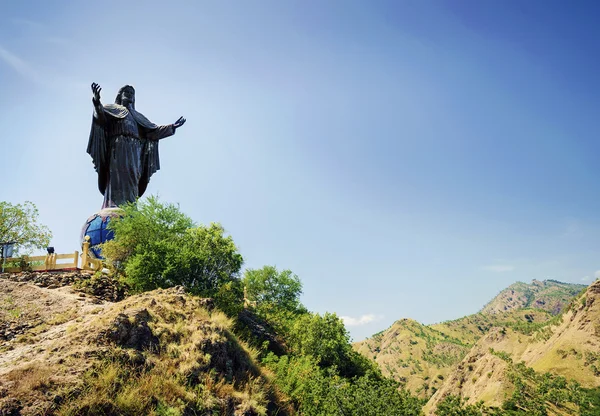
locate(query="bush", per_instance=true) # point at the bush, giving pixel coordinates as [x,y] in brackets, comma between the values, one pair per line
[326,339]
[317,392]
[457,406]
[272,289]
[157,246]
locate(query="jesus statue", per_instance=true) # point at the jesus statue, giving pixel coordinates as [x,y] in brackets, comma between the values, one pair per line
[123,145]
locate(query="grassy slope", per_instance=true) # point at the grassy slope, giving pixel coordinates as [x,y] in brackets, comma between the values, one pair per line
[549,295]
[84,357]
[418,356]
[570,347]
[423,356]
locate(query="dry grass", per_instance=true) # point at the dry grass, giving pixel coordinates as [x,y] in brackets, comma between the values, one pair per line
[199,367]
[61,318]
[30,378]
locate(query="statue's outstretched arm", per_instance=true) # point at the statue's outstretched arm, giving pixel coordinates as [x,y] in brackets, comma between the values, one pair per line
[161,132]
[98,108]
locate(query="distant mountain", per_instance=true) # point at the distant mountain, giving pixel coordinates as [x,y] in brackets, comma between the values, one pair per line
[418,356]
[503,361]
[549,295]
[423,357]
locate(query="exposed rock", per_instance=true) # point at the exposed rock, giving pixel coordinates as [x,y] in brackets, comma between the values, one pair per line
[261,331]
[133,331]
[10,407]
[103,287]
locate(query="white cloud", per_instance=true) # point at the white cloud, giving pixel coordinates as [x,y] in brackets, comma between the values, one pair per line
[597,274]
[499,268]
[28,24]
[585,278]
[19,65]
[362,320]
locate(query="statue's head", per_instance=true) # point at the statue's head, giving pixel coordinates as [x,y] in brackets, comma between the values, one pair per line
[126,96]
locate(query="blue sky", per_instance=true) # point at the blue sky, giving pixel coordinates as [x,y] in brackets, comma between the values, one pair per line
[405,159]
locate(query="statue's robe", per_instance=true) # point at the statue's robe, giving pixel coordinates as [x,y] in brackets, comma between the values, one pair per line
[123,145]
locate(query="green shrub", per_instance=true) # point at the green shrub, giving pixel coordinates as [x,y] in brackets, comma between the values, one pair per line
[271,289]
[157,246]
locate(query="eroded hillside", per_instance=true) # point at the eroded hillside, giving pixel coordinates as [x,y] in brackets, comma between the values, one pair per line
[549,295]
[424,357]
[418,356]
[569,346]
[67,352]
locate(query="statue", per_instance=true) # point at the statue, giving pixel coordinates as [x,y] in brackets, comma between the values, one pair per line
[123,145]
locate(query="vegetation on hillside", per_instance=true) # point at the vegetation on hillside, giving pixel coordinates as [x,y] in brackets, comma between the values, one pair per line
[156,245]
[539,394]
[417,356]
[309,355]
[549,295]
[19,225]
[199,337]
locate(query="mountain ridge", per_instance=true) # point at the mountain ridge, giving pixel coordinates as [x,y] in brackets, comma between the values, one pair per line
[568,347]
[550,295]
[422,357]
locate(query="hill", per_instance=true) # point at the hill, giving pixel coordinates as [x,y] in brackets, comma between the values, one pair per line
[417,356]
[549,295]
[422,357]
[162,352]
[505,361]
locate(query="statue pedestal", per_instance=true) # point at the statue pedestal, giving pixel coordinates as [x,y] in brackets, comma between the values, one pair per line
[96,228]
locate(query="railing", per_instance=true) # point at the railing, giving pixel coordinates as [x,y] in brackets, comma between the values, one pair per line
[49,261]
[89,262]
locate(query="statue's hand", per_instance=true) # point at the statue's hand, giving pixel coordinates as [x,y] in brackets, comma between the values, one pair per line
[96,90]
[180,122]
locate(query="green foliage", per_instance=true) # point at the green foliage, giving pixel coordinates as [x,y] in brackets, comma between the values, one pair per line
[536,393]
[326,339]
[322,374]
[317,392]
[229,297]
[157,246]
[271,289]
[18,224]
[457,406]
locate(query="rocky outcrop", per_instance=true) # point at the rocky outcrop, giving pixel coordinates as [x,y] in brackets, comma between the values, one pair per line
[176,348]
[132,331]
[102,287]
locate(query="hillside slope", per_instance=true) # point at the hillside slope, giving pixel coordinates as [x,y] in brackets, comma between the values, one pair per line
[423,356]
[569,346]
[161,352]
[549,295]
[416,355]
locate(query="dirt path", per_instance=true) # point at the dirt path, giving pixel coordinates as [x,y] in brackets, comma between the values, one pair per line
[35,319]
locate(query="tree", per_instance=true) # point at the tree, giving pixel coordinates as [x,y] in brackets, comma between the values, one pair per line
[326,338]
[317,392]
[158,246]
[270,288]
[457,406]
[18,224]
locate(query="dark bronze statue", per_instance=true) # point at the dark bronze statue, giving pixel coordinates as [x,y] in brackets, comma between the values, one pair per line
[124,147]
